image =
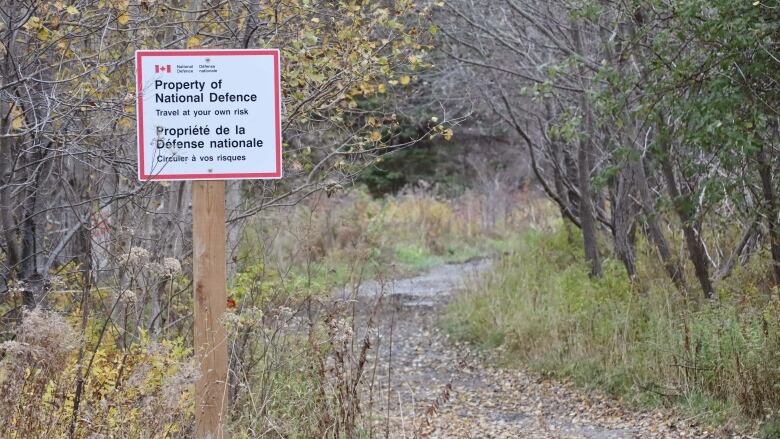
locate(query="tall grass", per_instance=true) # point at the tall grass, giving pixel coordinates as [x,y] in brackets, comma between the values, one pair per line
[413,230]
[641,340]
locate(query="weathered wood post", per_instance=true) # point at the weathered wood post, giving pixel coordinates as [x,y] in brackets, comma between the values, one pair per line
[210,299]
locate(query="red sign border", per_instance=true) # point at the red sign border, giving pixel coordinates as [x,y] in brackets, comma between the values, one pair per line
[140,54]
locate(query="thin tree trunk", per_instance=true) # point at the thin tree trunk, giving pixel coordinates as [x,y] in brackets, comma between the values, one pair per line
[671,265]
[584,165]
[690,230]
[85,244]
[765,171]
[623,213]
[742,251]
[29,262]
[7,220]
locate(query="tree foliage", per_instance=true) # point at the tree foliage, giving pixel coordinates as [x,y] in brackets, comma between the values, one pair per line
[633,110]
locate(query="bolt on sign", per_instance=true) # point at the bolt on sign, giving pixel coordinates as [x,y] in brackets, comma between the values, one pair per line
[208,114]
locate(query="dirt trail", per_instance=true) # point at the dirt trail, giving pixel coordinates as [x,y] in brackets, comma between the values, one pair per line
[439,389]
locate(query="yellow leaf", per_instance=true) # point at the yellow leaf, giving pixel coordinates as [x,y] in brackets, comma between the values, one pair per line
[372,121]
[33,23]
[43,34]
[17,119]
[193,42]
[381,88]
[123,18]
[447,134]
[376,136]
[405,80]
[17,124]
[72,10]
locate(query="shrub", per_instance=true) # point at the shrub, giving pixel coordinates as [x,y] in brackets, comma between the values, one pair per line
[144,391]
[645,343]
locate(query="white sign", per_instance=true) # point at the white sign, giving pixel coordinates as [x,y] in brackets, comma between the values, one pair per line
[208,114]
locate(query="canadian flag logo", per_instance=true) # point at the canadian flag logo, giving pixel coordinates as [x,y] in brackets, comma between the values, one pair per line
[162,69]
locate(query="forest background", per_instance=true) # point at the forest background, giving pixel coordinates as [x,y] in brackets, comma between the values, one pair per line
[620,159]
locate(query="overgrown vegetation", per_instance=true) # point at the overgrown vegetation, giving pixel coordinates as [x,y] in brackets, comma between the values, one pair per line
[299,356]
[652,127]
[639,117]
[639,339]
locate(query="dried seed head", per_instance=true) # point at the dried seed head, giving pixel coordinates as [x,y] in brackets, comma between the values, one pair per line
[44,339]
[137,257]
[340,330]
[128,297]
[171,267]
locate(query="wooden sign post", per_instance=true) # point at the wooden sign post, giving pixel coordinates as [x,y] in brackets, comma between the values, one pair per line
[209,115]
[209,267]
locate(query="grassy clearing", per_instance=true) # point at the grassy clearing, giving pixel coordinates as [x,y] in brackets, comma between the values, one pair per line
[641,341]
[321,239]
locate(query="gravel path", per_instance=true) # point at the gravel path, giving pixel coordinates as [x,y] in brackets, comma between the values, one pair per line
[439,389]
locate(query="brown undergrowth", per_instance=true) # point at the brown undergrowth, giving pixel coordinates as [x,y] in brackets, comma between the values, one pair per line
[110,355]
